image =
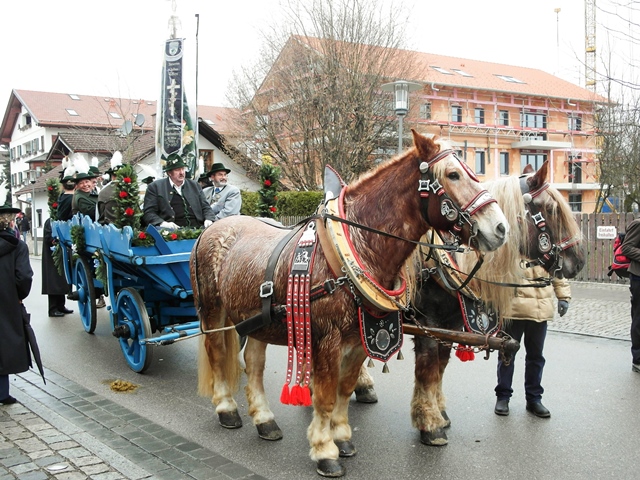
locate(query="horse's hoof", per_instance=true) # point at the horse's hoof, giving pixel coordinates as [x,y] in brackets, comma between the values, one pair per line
[329,467]
[446,419]
[437,438]
[366,395]
[230,419]
[346,447]
[269,430]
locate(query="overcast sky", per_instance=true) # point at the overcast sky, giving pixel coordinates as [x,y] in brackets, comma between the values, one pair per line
[115,48]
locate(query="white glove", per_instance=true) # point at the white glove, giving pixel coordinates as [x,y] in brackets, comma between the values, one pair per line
[208,223]
[169,225]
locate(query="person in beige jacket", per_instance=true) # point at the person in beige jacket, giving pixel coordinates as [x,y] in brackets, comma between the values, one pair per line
[531,309]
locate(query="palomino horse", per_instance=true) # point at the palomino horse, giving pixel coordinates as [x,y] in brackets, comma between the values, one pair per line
[389,209]
[543,229]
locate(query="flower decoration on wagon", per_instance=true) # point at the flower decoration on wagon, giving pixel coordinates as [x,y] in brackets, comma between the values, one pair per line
[267,195]
[53,193]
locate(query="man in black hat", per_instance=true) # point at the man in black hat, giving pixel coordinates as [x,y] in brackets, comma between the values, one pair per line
[106,203]
[176,201]
[225,199]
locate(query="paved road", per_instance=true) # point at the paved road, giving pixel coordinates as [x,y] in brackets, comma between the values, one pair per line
[163,430]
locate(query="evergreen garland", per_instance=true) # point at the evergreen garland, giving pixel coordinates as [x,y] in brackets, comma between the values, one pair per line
[53,193]
[126,195]
[269,175]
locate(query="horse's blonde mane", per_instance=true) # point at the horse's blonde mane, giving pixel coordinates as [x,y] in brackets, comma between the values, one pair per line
[504,264]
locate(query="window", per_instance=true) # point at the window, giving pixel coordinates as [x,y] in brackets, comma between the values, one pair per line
[534,159]
[510,79]
[480,162]
[42,143]
[442,70]
[478,115]
[72,112]
[74,96]
[575,202]
[26,120]
[461,72]
[533,120]
[115,114]
[574,169]
[425,111]
[456,113]
[574,122]
[504,163]
[503,118]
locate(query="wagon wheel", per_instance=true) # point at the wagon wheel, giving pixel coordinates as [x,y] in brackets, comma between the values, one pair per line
[86,294]
[131,325]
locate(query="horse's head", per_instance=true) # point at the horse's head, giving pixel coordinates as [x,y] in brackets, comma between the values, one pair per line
[554,238]
[454,202]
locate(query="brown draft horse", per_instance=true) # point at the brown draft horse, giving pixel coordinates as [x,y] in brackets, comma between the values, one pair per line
[544,230]
[228,267]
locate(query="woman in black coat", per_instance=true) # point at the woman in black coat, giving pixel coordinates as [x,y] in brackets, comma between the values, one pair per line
[14,264]
[54,285]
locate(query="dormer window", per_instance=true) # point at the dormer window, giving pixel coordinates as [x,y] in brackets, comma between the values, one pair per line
[442,70]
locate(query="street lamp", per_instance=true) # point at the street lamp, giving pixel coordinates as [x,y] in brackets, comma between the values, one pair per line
[401,90]
[34,234]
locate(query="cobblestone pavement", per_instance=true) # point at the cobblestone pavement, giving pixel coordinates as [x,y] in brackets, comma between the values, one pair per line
[67,432]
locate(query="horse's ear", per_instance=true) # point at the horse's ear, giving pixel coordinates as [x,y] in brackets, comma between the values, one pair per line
[540,177]
[527,169]
[426,147]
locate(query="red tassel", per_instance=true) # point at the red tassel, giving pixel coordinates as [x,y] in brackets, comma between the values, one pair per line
[296,395]
[465,354]
[306,396]
[285,396]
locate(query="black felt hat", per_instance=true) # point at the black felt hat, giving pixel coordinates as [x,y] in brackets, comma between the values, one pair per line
[6,208]
[218,167]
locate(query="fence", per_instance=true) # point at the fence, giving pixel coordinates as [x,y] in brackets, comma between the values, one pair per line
[599,251]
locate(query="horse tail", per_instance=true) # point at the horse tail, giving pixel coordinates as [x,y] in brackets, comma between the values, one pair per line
[218,350]
[224,348]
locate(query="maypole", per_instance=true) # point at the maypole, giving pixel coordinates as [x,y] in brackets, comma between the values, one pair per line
[176,136]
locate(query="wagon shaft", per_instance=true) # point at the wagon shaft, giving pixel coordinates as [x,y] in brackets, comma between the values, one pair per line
[508,346]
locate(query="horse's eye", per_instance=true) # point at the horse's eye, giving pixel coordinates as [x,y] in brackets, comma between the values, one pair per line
[453,176]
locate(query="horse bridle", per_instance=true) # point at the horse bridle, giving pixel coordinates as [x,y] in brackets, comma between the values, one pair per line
[549,253]
[456,216]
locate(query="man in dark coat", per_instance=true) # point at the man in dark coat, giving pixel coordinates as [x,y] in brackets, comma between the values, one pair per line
[66,198]
[54,285]
[15,270]
[176,201]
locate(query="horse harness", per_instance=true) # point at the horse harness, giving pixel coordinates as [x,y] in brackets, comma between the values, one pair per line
[381,333]
[550,253]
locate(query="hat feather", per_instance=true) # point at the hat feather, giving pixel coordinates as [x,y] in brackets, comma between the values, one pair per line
[80,162]
[116,159]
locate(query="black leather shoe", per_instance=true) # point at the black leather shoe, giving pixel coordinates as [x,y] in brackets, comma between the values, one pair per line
[502,408]
[56,314]
[538,410]
[66,311]
[8,401]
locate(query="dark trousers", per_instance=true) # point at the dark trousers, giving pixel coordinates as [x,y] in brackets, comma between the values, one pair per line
[534,335]
[56,303]
[4,386]
[634,288]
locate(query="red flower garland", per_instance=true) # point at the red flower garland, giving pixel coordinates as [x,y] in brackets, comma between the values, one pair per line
[129,212]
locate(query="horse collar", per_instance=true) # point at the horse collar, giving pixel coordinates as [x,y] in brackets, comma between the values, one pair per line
[342,258]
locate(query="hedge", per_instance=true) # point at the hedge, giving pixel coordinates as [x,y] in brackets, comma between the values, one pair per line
[292,204]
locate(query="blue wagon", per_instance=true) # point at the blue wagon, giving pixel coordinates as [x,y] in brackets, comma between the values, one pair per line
[149,286]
